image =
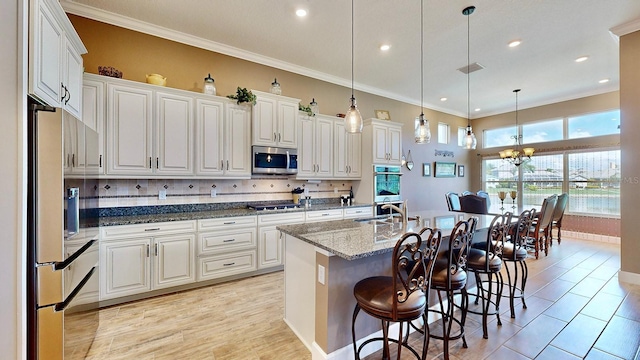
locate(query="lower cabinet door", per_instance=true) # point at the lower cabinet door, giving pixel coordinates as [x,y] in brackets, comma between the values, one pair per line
[124,268]
[269,247]
[212,267]
[174,260]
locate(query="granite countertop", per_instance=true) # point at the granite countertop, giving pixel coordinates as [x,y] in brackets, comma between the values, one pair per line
[141,215]
[355,239]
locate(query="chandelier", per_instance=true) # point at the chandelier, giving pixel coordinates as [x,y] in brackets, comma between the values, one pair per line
[518,155]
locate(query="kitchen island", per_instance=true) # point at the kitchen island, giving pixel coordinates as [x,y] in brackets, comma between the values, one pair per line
[323,262]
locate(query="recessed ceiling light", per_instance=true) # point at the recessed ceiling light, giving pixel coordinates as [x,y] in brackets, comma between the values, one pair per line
[603,81]
[582,58]
[301,12]
[443,99]
[385,47]
[515,43]
[478,109]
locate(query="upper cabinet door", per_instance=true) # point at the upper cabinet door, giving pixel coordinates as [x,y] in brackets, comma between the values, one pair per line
[265,122]
[287,124]
[72,98]
[354,158]
[380,150]
[93,118]
[237,139]
[340,168]
[45,55]
[129,129]
[394,145]
[174,133]
[324,147]
[209,136]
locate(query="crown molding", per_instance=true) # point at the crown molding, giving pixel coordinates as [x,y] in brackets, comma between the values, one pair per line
[626,28]
[180,37]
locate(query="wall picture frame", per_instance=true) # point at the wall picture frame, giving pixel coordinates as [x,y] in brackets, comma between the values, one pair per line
[383,114]
[460,170]
[444,169]
[426,169]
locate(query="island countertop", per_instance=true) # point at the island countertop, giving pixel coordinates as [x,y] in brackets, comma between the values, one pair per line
[355,239]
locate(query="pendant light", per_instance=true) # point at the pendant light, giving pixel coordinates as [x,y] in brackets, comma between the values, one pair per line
[422,131]
[353,119]
[470,139]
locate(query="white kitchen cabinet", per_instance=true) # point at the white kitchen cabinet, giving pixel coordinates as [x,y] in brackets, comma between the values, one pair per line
[323,215]
[347,150]
[55,61]
[173,134]
[270,244]
[140,258]
[315,153]
[93,113]
[386,141]
[223,138]
[358,212]
[275,120]
[129,130]
[81,154]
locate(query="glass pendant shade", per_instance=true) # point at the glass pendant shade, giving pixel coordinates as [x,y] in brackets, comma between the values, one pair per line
[353,119]
[422,131]
[470,141]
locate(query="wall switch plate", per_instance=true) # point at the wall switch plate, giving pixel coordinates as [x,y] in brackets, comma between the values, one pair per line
[162,195]
[335,190]
[214,193]
[321,274]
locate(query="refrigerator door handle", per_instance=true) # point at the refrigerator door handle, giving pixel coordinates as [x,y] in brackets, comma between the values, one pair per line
[63,305]
[64,264]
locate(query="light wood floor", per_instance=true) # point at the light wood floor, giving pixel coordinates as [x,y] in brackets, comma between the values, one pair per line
[576,309]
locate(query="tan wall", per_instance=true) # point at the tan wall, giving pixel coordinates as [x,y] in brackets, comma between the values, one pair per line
[137,54]
[630,126]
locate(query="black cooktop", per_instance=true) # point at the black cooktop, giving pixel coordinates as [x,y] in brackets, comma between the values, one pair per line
[273,206]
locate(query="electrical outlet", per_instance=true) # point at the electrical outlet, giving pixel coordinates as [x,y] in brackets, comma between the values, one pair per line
[162,195]
[335,190]
[214,193]
[321,274]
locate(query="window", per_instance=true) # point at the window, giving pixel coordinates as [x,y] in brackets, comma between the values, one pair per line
[550,130]
[462,133]
[541,177]
[500,176]
[604,123]
[499,137]
[594,182]
[443,133]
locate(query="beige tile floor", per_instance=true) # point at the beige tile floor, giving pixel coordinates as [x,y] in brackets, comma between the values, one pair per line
[576,309]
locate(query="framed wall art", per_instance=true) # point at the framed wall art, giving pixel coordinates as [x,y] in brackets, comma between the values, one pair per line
[444,169]
[460,170]
[426,169]
[383,114]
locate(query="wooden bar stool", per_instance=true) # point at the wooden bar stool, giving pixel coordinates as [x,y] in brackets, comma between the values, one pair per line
[449,275]
[403,296]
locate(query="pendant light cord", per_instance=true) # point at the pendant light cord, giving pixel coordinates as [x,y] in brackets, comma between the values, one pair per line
[468,75]
[352,52]
[421,59]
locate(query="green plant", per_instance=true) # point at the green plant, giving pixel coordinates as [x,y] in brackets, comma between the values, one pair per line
[243,95]
[306,109]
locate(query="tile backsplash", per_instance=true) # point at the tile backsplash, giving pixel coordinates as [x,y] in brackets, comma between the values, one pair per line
[127,192]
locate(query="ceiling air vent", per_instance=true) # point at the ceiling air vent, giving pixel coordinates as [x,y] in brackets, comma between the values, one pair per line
[471,68]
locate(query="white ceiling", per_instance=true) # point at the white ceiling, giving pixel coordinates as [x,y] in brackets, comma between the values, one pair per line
[553,32]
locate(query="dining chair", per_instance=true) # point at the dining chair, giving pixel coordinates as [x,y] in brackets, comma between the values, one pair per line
[484,258]
[485,195]
[449,276]
[474,204]
[453,201]
[466,192]
[540,230]
[403,296]
[514,252]
[556,218]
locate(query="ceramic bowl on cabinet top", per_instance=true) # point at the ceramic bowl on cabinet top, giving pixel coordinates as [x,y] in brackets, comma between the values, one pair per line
[156,79]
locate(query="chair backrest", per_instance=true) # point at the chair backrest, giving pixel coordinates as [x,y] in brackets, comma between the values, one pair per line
[546,212]
[413,259]
[459,244]
[485,195]
[561,205]
[520,232]
[474,204]
[496,235]
[453,201]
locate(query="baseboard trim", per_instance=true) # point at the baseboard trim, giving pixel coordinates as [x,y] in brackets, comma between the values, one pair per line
[629,277]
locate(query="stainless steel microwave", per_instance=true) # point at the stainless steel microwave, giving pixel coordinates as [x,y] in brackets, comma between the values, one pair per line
[274,161]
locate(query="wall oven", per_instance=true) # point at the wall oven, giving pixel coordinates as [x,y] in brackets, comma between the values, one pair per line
[274,161]
[386,184]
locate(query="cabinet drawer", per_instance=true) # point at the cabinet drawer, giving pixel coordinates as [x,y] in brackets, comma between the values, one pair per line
[224,265]
[354,213]
[226,223]
[153,229]
[281,219]
[220,241]
[324,215]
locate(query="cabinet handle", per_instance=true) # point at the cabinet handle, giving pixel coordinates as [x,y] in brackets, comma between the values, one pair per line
[152,229]
[229,223]
[229,264]
[100,160]
[157,163]
[275,137]
[221,164]
[73,160]
[279,137]
[227,165]
[62,92]
[228,240]
[68,97]
[156,249]
[149,162]
[147,250]
[326,214]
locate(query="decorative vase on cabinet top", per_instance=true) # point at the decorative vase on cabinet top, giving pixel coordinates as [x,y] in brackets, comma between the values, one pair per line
[156,79]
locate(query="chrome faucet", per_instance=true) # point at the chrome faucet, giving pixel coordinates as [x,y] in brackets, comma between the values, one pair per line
[402,211]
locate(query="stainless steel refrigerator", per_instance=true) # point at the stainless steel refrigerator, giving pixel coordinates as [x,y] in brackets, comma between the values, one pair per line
[55,211]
